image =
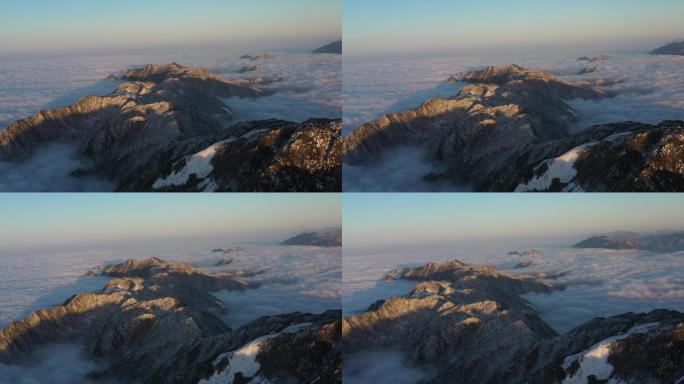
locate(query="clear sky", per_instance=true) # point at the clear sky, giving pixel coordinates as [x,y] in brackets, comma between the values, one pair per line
[30,26]
[409,26]
[52,219]
[391,221]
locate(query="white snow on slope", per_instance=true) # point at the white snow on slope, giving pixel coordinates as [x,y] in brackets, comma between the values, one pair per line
[243,360]
[198,164]
[562,168]
[594,361]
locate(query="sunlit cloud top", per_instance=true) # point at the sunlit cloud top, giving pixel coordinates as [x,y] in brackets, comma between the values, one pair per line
[31,26]
[396,26]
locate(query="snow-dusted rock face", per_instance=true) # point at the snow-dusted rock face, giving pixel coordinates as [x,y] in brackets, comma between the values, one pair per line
[508,129]
[166,114]
[624,157]
[157,322]
[471,326]
[268,156]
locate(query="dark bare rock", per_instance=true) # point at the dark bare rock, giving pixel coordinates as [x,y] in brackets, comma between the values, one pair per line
[622,157]
[164,114]
[524,264]
[334,47]
[156,322]
[669,242]
[331,238]
[583,58]
[675,48]
[267,156]
[112,77]
[470,324]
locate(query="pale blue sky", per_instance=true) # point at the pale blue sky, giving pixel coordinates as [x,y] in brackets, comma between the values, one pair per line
[30,26]
[393,221]
[408,26]
[39,220]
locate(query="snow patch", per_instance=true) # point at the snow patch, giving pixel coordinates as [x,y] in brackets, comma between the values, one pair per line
[561,168]
[594,361]
[198,164]
[243,360]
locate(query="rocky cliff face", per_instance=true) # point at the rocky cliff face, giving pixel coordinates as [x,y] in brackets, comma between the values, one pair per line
[470,323]
[507,119]
[163,114]
[156,322]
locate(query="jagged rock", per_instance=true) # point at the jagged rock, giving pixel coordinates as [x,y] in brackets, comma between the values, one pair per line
[475,133]
[269,156]
[112,77]
[676,48]
[318,239]
[470,324]
[523,264]
[334,47]
[624,157]
[583,58]
[669,242]
[137,134]
[156,322]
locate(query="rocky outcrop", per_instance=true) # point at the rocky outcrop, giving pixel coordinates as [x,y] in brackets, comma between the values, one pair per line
[334,47]
[317,239]
[249,68]
[156,322]
[163,114]
[470,325]
[624,157]
[268,156]
[587,70]
[675,48]
[668,242]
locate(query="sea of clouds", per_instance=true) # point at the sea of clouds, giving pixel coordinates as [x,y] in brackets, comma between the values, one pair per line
[306,279]
[309,86]
[597,283]
[651,91]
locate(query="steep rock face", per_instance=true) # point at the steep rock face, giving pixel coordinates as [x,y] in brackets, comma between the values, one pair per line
[317,239]
[470,323]
[676,48]
[165,113]
[629,348]
[156,322]
[503,110]
[627,157]
[265,156]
